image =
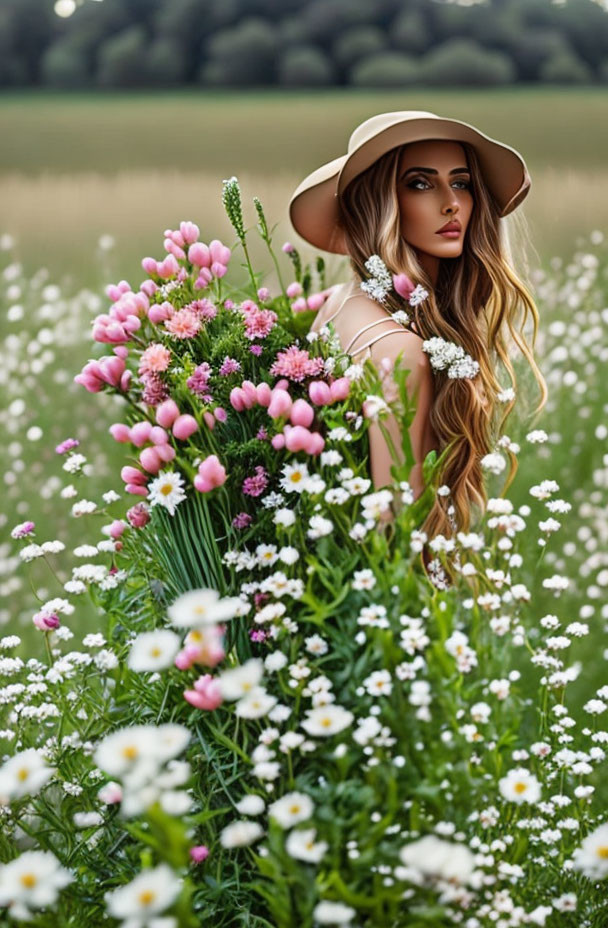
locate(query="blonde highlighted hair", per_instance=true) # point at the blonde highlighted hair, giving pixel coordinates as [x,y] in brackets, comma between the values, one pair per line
[478,302]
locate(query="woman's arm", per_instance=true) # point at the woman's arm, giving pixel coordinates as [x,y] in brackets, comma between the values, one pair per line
[420,382]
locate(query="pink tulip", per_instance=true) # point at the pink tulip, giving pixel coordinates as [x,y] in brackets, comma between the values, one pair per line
[301,413]
[121,351]
[184,426]
[250,394]
[237,399]
[204,279]
[294,289]
[166,413]
[280,405]
[165,452]
[264,394]
[149,265]
[315,301]
[140,433]
[173,249]
[148,287]
[316,443]
[263,294]
[339,389]
[132,475]
[136,489]
[115,291]
[209,419]
[120,432]
[299,306]
[211,474]
[220,413]
[219,253]
[189,232]
[403,285]
[319,393]
[158,435]
[117,528]
[282,384]
[167,268]
[151,460]
[278,441]
[160,312]
[198,254]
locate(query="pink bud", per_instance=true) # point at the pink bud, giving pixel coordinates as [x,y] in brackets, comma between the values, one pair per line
[117,528]
[301,413]
[206,693]
[339,389]
[237,399]
[158,435]
[218,252]
[150,460]
[403,285]
[282,384]
[158,313]
[280,404]
[278,441]
[165,452]
[204,278]
[136,489]
[250,394]
[149,265]
[296,439]
[140,433]
[264,394]
[319,393]
[120,432]
[184,426]
[198,254]
[211,473]
[220,413]
[46,621]
[166,413]
[316,443]
[315,301]
[294,289]
[199,853]
[190,232]
[132,475]
[263,294]
[121,351]
[299,306]
[138,515]
[209,419]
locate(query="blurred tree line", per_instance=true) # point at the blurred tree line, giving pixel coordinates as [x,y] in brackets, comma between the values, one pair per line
[302,43]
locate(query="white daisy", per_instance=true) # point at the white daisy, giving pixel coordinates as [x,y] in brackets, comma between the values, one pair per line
[327,720]
[295,477]
[301,844]
[167,490]
[251,804]
[327,912]
[197,608]
[255,703]
[154,650]
[592,856]
[24,774]
[433,857]
[32,881]
[291,809]
[150,893]
[241,834]
[241,680]
[519,785]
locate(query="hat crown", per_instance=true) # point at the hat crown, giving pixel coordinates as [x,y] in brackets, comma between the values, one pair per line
[375,124]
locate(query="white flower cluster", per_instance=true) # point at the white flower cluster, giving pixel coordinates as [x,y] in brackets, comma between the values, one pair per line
[446,355]
[380,281]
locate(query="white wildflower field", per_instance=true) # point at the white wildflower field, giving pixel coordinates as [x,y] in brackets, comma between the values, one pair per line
[231,694]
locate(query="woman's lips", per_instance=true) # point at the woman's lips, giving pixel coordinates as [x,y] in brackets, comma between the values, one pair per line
[453,233]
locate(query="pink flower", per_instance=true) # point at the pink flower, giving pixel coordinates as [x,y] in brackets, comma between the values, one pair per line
[287,247]
[183,324]
[301,413]
[256,350]
[189,232]
[160,311]
[206,693]
[319,393]
[67,445]
[138,515]
[120,432]
[263,294]
[294,289]
[155,358]
[108,370]
[117,528]
[204,309]
[110,794]
[23,530]
[211,474]
[184,426]
[242,520]
[255,486]
[167,413]
[298,438]
[140,433]
[258,322]
[339,389]
[220,414]
[229,366]
[280,404]
[296,364]
[403,285]
[198,381]
[198,254]
[199,853]
[46,621]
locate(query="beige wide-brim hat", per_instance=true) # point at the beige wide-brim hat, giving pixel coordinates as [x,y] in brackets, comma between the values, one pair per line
[313,208]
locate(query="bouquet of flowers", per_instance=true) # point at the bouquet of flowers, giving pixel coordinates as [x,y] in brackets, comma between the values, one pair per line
[285,720]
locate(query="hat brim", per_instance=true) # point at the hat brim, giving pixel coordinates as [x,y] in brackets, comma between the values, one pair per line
[313,207]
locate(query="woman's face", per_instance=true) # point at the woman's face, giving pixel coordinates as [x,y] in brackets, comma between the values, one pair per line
[434,188]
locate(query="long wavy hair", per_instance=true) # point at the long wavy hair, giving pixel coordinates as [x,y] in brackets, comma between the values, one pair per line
[478,302]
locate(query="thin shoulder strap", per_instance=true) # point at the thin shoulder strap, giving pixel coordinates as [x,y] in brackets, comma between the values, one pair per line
[377,339]
[364,329]
[347,297]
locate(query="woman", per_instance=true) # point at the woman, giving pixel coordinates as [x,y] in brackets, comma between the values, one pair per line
[405,178]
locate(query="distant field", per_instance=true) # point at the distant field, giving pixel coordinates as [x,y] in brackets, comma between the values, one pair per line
[77,166]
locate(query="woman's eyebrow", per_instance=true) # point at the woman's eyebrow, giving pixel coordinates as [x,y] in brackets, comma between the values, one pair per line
[433,171]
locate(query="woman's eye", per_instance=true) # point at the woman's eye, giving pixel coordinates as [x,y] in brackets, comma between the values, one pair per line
[466,184]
